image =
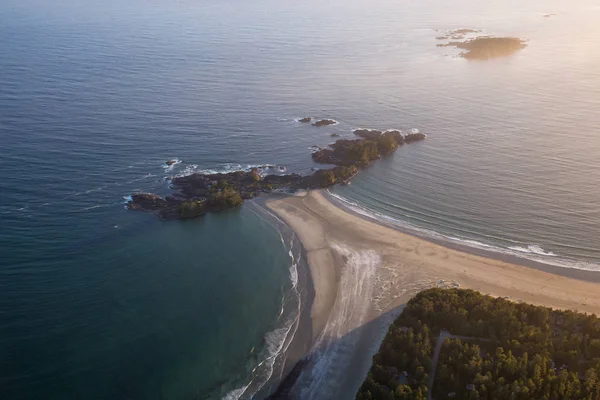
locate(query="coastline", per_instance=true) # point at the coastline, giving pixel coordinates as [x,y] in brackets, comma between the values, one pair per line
[566,271]
[363,272]
[298,341]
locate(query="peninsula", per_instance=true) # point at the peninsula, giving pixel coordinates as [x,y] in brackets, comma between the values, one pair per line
[364,273]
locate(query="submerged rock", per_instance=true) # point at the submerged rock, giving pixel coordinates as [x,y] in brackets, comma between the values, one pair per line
[305,120]
[335,135]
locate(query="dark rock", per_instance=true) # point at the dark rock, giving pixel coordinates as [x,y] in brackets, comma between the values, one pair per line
[198,194]
[414,137]
[359,152]
[146,202]
[171,162]
[324,122]
[486,47]
[305,120]
[335,135]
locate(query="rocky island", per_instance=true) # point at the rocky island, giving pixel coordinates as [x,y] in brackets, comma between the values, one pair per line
[324,122]
[195,195]
[481,47]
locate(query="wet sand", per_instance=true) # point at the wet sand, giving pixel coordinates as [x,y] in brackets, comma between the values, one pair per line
[364,272]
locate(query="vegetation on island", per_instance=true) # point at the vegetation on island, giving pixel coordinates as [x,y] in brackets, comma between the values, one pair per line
[198,194]
[491,348]
[362,152]
[221,196]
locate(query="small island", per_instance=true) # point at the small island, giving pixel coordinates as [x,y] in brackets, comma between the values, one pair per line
[324,122]
[197,194]
[481,47]
[456,343]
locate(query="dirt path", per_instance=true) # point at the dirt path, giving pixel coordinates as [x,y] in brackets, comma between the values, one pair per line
[436,354]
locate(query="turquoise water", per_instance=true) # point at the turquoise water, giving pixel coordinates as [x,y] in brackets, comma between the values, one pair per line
[101,303]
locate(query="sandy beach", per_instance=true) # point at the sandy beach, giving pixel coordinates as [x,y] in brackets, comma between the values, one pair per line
[364,272]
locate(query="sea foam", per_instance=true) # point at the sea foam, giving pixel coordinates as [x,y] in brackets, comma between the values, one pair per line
[532,252]
[276,340]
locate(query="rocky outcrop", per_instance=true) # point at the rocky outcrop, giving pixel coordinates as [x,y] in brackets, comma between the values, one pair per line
[198,194]
[362,152]
[483,47]
[171,162]
[324,122]
[305,120]
[146,202]
[414,137]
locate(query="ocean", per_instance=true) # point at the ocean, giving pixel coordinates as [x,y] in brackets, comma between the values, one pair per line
[98,302]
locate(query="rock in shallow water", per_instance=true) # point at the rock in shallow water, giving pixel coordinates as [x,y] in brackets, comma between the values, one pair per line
[198,194]
[486,47]
[325,122]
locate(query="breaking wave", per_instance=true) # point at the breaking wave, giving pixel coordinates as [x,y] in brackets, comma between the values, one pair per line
[532,252]
[263,169]
[276,341]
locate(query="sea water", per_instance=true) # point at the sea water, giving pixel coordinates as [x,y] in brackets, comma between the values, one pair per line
[102,303]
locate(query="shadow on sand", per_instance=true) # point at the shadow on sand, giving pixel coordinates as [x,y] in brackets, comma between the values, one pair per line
[336,367]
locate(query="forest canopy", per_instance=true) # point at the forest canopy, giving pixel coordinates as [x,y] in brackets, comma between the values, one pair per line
[506,350]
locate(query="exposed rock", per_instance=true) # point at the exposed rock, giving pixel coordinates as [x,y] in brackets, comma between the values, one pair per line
[324,122]
[198,194]
[359,152]
[305,120]
[171,162]
[414,137]
[395,135]
[146,202]
[486,47]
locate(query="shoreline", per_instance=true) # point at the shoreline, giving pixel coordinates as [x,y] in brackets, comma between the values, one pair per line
[568,272]
[301,340]
[364,271]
